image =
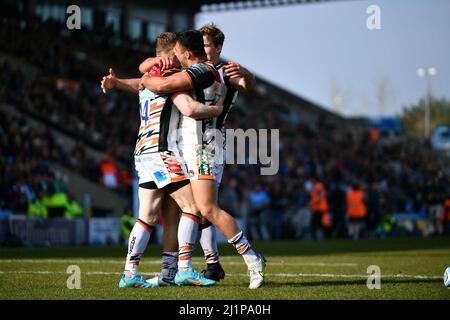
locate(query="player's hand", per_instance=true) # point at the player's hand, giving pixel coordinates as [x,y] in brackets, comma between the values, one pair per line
[143,78]
[164,62]
[109,81]
[234,70]
[217,109]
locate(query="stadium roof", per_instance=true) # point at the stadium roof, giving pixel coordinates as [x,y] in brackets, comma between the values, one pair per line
[222,5]
[210,6]
[200,5]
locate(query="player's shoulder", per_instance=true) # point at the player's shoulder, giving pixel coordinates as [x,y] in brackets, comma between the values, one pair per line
[201,68]
[211,66]
[220,66]
[203,74]
[170,71]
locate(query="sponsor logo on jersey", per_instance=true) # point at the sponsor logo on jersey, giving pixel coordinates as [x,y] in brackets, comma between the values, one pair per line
[204,162]
[160,175]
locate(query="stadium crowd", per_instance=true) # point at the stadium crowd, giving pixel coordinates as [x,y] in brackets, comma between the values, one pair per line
[26,177]
[54,78]
[398,175]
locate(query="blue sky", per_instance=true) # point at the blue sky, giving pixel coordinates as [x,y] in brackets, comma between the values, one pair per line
[323,50]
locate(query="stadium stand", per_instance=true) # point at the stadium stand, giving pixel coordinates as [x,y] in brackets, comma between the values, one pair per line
[51,78]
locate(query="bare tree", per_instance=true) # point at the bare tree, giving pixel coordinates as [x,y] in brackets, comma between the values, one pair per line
[340,99]
[384,94]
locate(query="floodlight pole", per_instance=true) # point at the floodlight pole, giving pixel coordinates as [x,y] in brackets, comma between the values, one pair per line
[429,72]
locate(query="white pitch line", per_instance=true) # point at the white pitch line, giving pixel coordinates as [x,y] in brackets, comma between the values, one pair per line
[278,275]
[317,264]
[195,260]
[330,275]
[66,261]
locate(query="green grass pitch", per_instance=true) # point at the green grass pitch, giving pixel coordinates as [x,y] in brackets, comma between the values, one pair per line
[334,269]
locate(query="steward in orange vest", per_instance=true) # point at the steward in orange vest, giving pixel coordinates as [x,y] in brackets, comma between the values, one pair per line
[356,208]
[319,207]
[318,201]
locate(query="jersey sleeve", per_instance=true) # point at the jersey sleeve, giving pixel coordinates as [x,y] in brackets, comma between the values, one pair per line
[155,71]
[226,78]
[169,72]
[201,76]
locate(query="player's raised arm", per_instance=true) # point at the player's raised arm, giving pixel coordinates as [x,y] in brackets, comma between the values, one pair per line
[194,109]
[164,85]
[198,76]
[162,62]
[240,78]
[146,65]
[127,85]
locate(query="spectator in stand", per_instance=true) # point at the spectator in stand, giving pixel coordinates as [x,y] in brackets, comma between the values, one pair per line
[109,171]
[337,207]
[278,204]
[374,135]
[373,208]
[301,217]
[446,216]
[436,198]
[229,198]
[74,209]
[37,209]
[258,201]
[126,222]
[125,181]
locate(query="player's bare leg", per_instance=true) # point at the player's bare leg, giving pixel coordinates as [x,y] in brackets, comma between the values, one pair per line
[208,242]
[205,196]
[150,201]
[171,216]
[188,229]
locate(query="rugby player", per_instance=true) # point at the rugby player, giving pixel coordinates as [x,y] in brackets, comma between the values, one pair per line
[236,79]
[197,148]
[159,172]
